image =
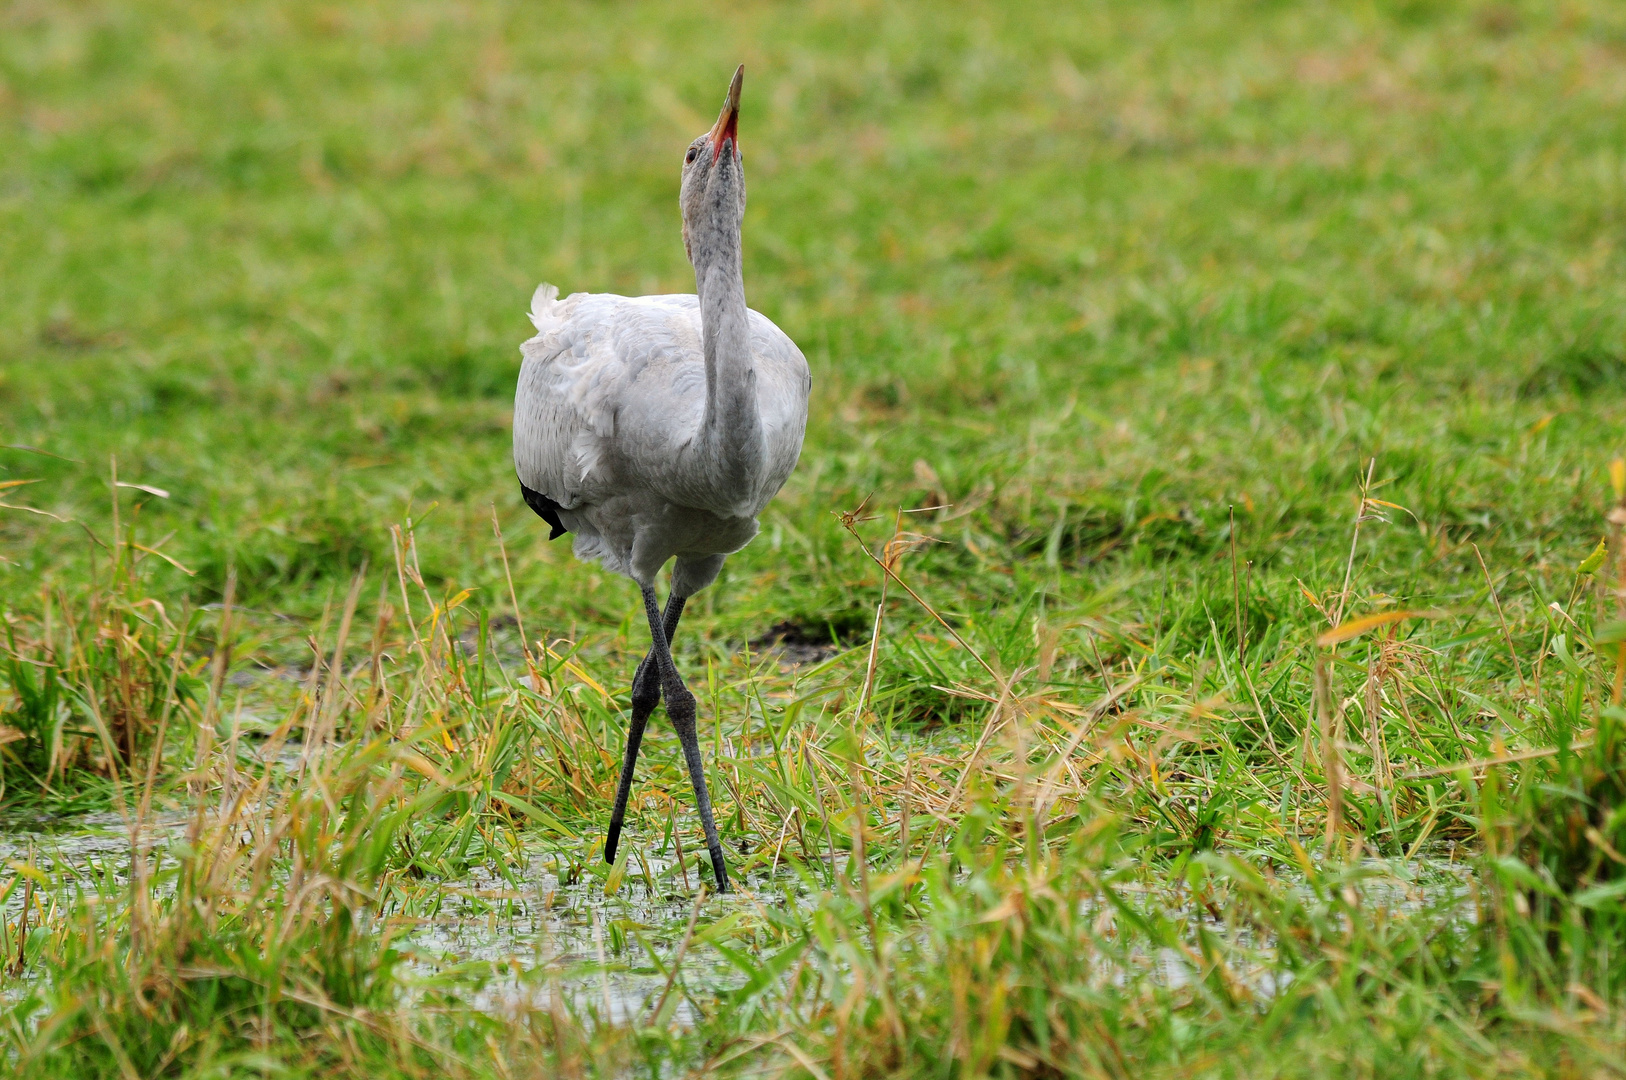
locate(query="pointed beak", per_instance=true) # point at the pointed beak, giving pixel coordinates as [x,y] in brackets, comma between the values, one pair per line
[727,128]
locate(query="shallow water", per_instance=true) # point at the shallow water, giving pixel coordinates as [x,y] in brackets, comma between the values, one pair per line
[512,937]
[507,937]
[596,945]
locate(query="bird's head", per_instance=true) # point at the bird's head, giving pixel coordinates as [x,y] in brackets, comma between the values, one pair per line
[712,196]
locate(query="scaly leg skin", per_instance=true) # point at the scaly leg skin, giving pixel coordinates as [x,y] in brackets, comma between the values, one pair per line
[646,694]
[680,706]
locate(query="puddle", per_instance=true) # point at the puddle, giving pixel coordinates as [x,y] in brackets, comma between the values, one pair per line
[99,840]
[504,938]
[598,946]
[514,937]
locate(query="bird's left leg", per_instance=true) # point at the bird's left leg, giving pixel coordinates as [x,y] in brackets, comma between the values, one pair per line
[680,706]
[646,694]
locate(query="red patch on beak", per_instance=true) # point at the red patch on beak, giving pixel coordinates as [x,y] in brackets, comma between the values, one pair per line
[727,130]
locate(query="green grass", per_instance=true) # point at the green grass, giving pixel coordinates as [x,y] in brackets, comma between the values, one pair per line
[1151,301]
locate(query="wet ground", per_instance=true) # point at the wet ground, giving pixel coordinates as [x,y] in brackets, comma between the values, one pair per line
[512,933]
[599,945]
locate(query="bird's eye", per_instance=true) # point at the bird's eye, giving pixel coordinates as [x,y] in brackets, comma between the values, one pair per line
[691,155]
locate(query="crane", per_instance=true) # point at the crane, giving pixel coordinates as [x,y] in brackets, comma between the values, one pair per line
[656,428]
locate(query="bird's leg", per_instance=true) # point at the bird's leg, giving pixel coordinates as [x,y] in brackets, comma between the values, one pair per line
[646,684]
[680,706]
[646,694]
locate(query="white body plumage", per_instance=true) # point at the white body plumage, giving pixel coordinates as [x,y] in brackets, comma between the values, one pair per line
[607,422]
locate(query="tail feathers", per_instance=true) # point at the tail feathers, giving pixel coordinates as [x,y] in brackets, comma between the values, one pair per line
[546,509]
[543,301]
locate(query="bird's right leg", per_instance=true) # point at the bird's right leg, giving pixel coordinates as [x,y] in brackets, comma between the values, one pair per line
[646,694]
[646,684]
[680,706]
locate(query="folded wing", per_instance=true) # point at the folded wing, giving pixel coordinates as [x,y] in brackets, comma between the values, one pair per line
[591,355]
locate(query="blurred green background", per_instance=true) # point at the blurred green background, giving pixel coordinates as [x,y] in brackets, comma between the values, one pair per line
[1093,273]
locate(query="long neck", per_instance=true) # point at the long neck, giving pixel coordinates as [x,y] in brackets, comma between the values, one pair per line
[731,435]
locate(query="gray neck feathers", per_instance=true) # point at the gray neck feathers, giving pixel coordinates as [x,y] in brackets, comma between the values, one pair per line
[731,435]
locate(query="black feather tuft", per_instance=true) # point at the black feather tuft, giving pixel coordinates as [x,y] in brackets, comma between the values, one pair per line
[546,509]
